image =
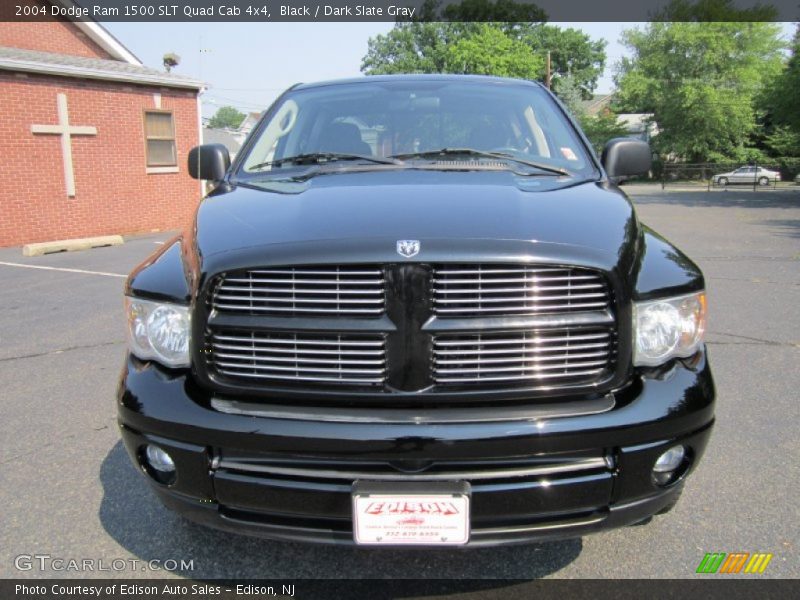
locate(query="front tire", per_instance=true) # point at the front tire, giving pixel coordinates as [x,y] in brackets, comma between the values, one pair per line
[722,181]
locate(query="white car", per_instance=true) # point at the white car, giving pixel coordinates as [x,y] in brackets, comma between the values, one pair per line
[750,175]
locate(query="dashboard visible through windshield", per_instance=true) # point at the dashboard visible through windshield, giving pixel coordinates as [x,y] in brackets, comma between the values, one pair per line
[413,119]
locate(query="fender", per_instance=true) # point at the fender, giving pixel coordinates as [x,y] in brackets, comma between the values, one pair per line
[663,270]
[169,274]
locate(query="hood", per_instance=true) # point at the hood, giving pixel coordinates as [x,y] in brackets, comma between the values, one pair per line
[449,212]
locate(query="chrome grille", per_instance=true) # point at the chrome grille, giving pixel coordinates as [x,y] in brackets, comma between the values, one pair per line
[514,290]
[575,355]
[353,291]
[299,357]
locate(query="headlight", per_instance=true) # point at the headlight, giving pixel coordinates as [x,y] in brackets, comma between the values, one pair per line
[158,331]
[668,328]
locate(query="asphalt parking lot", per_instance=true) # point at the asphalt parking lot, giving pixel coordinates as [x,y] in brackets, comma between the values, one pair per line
[68,489]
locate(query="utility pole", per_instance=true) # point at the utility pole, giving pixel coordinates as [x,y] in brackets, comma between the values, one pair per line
[547,76]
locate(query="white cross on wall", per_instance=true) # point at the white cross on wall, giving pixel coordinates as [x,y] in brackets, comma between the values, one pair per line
[66,131]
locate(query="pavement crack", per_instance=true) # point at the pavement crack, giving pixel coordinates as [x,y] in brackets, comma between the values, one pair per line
[754,258]
[750,340]
[62,350]
[754,280]
[46,445]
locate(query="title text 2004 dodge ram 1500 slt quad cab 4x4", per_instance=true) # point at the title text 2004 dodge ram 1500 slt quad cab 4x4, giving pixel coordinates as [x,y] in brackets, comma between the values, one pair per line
[417,310]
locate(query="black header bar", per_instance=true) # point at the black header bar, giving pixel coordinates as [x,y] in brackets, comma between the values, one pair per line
[400,10]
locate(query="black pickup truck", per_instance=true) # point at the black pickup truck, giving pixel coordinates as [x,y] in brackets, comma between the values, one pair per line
[417,310]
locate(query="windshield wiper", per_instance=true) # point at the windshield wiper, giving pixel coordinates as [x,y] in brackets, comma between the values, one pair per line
[315,158]
[484,154]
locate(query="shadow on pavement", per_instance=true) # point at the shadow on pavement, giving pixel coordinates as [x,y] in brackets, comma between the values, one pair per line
[133,516]
[785,227]
[789,198]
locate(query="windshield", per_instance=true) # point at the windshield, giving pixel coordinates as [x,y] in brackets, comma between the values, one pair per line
[409,118]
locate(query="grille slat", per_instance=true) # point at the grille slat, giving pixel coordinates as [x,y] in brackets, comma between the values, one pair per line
[517,290]
[310,357]
[298,360]
[348,291]
[526,356]
[297,309]
[299,300]
[524,309]
[524,297]
[284,350]
[533,369]
[532,339]
[513,359]
[587,286]
[231,288]
[517,378]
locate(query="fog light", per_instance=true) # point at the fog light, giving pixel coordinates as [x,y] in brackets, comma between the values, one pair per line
[159,459]
[666,468]
[159,465]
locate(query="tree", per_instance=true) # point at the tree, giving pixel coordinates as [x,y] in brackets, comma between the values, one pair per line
[601,128]
[424,46]
[574,56]
[488,51]
[782,99]
[702,81]
[571,94]
[226,117]
[714,10]
[784,142]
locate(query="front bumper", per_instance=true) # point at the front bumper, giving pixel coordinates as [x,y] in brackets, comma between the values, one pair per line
[532,478]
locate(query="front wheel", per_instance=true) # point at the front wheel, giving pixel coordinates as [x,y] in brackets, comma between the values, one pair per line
[763,181]
[722,181]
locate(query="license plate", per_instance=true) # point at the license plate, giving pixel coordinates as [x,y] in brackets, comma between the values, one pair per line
[432,514]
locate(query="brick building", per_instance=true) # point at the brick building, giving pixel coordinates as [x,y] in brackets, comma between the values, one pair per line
[92,141]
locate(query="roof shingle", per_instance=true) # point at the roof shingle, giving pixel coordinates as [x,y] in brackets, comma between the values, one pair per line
[17,59]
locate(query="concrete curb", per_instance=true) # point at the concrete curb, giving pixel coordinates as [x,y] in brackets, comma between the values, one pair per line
[41,248]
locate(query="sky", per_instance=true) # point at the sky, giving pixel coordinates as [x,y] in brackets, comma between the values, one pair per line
[248,64]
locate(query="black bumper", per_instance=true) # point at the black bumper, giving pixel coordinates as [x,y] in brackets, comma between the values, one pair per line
[531,479]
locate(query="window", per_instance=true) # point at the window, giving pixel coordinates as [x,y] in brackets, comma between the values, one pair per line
[159,133]
[405,116]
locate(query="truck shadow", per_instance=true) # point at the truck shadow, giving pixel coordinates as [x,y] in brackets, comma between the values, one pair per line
[134,517]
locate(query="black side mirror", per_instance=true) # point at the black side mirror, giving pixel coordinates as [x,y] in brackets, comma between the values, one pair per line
[624,157]
[209,161]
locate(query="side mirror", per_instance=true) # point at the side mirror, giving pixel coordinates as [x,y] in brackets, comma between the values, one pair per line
[209,161]
[624,157]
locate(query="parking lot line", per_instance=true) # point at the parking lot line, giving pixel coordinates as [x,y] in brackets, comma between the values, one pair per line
[82,271]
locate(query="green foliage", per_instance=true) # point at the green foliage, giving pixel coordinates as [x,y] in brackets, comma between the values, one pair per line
[226,117]
[784,141]
[424,46]
[782,104]
[408,48]
[601,128]
[714,10]
[702,81]
[573,55]
[489,51]
[570,93]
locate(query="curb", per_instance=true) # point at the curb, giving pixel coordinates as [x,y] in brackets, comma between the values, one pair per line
[41,248]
